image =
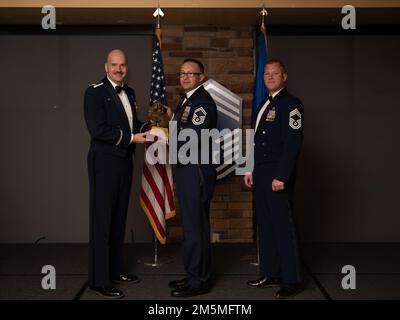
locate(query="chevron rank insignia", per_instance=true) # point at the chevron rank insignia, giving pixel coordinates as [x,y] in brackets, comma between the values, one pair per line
[295,119]
[199,116]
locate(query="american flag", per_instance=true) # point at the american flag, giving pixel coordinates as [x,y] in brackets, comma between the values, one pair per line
[157,90]
[156,194]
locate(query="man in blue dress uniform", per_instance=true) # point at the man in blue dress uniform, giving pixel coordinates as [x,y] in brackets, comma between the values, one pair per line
[194,182]
[110,115]
[277,142]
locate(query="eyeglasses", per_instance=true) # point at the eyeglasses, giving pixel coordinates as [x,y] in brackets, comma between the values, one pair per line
[189,74]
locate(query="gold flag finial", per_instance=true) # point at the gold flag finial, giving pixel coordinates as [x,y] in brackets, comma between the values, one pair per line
[263,13]
[157,14]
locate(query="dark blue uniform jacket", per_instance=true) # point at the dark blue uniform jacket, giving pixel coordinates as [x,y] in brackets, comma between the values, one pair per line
[107,121]
[198,112]
[279,134]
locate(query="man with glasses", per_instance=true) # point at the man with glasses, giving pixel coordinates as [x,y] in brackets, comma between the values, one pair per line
[194,182]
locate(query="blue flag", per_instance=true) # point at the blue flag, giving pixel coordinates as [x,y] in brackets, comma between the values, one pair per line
[260,90]
[157,91]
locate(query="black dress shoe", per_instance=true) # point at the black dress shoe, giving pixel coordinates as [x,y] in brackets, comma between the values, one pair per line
[264,282]
[177,283]
[122,278]
[185,292]
[289,290]
[109,292]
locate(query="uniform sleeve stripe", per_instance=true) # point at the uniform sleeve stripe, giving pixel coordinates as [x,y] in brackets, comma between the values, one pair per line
[142,126]
[97,85]
[120,137]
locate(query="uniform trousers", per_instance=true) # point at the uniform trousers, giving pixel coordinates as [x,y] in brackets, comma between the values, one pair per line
[110,179]
[195,186]
[278,239]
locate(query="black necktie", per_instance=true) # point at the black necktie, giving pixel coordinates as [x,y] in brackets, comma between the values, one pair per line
[183,97]
[269,98]
[178,109]
[119,88]
[264,114]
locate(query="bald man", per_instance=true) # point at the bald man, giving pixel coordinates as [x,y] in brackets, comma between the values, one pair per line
[110,115]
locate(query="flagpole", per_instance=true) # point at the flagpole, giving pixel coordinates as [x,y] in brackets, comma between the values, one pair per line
[254,260]
[156,261]
[155,250]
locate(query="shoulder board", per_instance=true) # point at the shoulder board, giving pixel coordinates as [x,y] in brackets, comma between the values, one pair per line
[95,85]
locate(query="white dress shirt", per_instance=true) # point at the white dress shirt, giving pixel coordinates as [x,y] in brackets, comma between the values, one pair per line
[125,102]
[187,94]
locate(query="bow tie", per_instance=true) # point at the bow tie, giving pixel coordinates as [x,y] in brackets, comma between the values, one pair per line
[269,98]
[119,88]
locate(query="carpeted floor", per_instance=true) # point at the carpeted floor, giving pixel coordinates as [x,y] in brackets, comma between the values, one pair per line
[377,272]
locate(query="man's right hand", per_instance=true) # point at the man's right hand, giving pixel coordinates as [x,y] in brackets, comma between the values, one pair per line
[248,179]
[168,110]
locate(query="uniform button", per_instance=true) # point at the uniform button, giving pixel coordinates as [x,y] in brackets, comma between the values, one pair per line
[263,132]
[263,143]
